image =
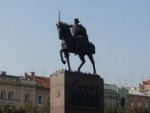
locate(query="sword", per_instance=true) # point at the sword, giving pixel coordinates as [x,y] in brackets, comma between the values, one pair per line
[59,18]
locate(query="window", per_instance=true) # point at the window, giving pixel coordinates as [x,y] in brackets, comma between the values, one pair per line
[27,97]
[139,104]
[3,94]
[146,104]
[132,104]
[10,95]
[40,100]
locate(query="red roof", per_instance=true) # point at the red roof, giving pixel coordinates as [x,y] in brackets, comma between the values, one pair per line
[147,82]
[43,82]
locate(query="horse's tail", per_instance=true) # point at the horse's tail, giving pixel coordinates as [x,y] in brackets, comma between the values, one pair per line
[92,48]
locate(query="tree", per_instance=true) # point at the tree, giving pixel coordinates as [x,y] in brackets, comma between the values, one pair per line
[46,107]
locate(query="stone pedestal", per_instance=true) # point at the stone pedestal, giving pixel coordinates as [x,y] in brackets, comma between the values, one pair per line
[73,92]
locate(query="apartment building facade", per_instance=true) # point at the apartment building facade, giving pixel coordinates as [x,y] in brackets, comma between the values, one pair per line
[42,88]
[28,91]
[138,100]
[115,97]
[15,91]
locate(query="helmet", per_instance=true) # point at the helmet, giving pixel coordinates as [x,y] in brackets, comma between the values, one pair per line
[76,20]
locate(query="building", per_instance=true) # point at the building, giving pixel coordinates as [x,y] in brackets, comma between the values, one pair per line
[33,91]
[15,91]
[114,96]
[110,95]
[27,92]
[123,97]
[42,88]
[145,87]
[138,99]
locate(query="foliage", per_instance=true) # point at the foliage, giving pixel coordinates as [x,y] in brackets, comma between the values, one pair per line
[126,110]
[11,109]
[45,108]
[27,108]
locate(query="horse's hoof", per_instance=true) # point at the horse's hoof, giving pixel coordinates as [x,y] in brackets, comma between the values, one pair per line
[64,62]
[78,70]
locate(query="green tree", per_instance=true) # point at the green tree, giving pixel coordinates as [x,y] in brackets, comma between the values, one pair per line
[46,107]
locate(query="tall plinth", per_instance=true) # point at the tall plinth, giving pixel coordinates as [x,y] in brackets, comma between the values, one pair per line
[73,92]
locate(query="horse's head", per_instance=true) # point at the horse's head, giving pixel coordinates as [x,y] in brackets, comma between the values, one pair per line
[63,30]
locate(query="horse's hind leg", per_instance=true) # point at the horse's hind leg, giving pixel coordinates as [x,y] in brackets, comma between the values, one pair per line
[93,62]
[68,61]
[83,61]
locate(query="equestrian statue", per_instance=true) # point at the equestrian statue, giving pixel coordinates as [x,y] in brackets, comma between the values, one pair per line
[75,40]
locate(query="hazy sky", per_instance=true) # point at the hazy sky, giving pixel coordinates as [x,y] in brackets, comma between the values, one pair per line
[120,30]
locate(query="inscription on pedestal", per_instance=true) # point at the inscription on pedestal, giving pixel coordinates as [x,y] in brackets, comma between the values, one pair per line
[83,96]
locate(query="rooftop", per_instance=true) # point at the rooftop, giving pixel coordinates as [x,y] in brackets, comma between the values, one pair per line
[43,82]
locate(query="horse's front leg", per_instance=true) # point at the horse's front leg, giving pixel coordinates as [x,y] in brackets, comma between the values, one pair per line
[61,56]
[68,61]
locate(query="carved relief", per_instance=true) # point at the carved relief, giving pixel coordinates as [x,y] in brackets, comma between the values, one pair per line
[83,96]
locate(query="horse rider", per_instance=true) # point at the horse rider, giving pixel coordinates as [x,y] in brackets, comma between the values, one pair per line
[78,30]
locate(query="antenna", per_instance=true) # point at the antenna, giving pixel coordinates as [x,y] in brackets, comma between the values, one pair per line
[119,82]
[132,83]
[143,77]
[33,69]
[43,71]
[105,76]
[125,83]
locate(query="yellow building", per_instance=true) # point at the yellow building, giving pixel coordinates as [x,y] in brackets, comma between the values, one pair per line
[42,88]
[17,91]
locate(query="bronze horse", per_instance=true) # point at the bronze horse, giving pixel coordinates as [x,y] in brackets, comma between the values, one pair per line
[69,45]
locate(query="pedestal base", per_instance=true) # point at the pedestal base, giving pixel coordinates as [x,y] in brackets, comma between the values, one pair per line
[73,92]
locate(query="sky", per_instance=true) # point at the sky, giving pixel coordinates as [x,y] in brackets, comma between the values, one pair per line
[119,29]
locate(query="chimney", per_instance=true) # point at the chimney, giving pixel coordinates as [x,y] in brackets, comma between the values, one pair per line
[32,73]
[141,87]
[25,75]
[144,82]
[3,72]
